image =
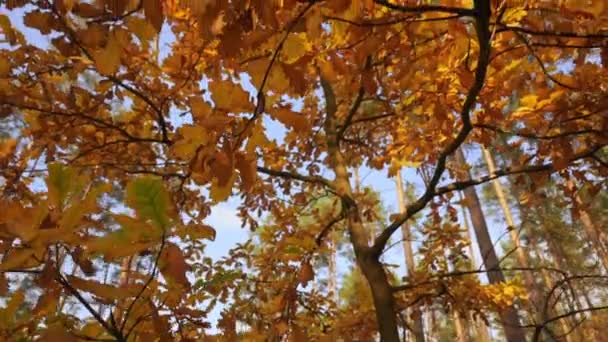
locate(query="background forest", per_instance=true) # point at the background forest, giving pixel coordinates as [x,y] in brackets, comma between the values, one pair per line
[430,170]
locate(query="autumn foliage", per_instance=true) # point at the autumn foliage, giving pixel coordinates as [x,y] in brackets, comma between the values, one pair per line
[124,123]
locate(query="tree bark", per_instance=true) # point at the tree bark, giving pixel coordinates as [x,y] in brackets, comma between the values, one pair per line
[509,317]
[480,327]
[369,263]
[596,237]
[418,326]
[461,332]
[333,272]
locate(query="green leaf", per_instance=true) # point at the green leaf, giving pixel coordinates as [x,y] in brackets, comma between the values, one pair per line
[133,237]
[150,200]
[58,183]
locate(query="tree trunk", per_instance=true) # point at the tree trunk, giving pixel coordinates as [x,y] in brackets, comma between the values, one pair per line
[418,326]
[509,317]
[596,237]
[333,272]
[481,329]
[369,263]
[522,258]
[461,332]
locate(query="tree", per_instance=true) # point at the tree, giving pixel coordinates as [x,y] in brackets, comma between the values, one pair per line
[166,105]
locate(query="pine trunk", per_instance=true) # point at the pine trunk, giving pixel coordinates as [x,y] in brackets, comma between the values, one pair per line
[596,237]
[418,326]
[509,317]
[481,329]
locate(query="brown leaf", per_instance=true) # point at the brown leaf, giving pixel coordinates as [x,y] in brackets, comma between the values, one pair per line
[160,323]
[57,332]
[306,274]
[174,265]
[247,170]
[153,13]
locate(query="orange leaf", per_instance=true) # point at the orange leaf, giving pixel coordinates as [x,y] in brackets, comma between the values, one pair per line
[291,119]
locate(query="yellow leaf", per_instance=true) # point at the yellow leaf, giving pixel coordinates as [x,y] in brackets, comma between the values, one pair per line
[281,327]
[229,96]
[192,137]
[103,290]
[220,193]
[290,119]
[17,258]
[197,232]
[107,60]
[47,301]
[7,315]
[295,47]
[514,15]
[529,101]
[73,215]
[5,69]
[142,29]
[134,237]
[200,108]
[313,23]
[222,166]
[22,222]
[327,71]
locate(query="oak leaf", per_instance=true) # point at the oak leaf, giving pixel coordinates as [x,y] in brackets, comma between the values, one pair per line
[173,265]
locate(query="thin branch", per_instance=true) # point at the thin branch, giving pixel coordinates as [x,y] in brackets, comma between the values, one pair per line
[512,171]
[541,63]
[148,282]
[427,8]
[161,120]
[328,227]
[296,176]
[111,330]
[392,21]
[259,108]
[356,104]
[537,137]
[506,28]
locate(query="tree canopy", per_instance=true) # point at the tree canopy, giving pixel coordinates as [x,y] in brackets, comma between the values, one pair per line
[133,119]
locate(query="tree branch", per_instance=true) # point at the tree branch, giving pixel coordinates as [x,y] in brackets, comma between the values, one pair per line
[296,176]
[427,8]
[506,28]
[537,137]
[483,36]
